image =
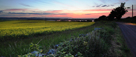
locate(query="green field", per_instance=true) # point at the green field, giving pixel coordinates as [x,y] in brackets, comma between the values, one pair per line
[20,28]
[47,32]
[37,33]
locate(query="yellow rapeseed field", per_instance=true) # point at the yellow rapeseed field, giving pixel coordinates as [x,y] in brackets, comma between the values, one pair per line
[27,27]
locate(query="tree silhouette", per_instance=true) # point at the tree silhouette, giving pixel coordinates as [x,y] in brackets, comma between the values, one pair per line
[117,12]
[103,17]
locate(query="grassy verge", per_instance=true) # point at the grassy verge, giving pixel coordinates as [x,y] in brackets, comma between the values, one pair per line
[119,47]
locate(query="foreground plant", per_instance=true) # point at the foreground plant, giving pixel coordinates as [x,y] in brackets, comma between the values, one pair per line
[94,44]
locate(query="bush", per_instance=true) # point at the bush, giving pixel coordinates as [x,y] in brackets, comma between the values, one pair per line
[94,45]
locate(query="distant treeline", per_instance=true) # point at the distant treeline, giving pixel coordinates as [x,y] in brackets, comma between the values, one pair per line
[49,19]
[127,19]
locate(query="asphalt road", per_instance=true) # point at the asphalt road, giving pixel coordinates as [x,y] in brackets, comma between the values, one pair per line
[129,33]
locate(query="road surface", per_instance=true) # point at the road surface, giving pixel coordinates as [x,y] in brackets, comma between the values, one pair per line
[129,33]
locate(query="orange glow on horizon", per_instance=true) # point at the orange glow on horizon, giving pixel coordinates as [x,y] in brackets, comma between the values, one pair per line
[93,13]
[80,11]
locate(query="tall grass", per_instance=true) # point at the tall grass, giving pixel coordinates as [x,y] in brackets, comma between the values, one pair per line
[120,48]
[94,45]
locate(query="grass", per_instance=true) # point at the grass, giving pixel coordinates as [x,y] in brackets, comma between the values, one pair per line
[121,47]
[23,28]
[46,42]
[118,46]
[94,45]
[20,46]
[98,43]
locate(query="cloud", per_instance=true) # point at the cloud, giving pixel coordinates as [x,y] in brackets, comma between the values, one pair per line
[88,14]
[98,5]
[102,5]
[1,11]
[22,10]
[107,5]
[111,5]
[26,5]
[15,9]
[39,13]
[31,13]
[99,10]
[54,11]
[60,14]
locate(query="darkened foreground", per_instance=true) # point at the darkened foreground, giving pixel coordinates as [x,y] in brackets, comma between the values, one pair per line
[107,41]
[104,40]
[129,32]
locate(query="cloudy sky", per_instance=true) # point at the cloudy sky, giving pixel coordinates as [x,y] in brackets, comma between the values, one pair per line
[62,8]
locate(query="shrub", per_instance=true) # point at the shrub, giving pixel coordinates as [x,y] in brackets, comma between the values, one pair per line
[93,45]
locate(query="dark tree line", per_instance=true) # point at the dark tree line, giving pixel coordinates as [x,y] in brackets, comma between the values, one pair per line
[116,13]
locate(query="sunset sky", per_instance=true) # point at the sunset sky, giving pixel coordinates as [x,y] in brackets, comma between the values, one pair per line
[62,8]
